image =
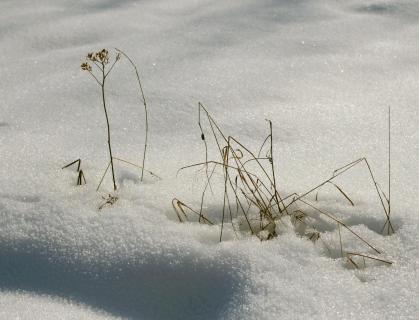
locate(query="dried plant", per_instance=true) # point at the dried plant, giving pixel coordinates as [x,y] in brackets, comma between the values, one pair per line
[249,182]
[108,201]
[100,60]
[98,65]
[144,102]
[251,192]
[80,176]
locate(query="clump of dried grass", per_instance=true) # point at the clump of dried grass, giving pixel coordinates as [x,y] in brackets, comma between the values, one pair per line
[250,193]
[81,180]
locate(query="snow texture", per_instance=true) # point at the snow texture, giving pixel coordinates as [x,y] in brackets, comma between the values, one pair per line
[325,73]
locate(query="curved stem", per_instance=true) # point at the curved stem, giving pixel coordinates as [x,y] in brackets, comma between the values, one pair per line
[145,108]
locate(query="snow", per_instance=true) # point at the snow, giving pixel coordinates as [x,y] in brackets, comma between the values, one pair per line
[325,73]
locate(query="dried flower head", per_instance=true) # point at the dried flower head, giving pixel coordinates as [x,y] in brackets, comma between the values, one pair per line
[102,56]
[86,66]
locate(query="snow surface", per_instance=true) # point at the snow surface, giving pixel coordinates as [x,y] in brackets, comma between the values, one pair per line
[324,72]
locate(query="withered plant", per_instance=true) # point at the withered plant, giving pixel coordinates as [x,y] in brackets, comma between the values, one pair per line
[98,65]
[144,102]
[80,175]
[100,61]
[249,182]
[251,200]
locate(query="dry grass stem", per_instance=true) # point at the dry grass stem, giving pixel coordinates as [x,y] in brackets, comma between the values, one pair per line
[145,109]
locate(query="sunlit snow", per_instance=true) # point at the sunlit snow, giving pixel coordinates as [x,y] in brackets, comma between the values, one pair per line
[324,72]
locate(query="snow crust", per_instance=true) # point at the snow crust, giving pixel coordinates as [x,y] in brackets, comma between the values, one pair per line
[324,72]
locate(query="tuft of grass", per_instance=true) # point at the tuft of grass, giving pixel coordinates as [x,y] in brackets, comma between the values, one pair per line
[249,181]
[80,176]
[250,193]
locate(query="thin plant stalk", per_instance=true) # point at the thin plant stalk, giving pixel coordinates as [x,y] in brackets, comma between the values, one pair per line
[342,170]
[389,175]
[78,161]
[100,60]
[107,124]
[145,109]
[349,254]
[340,241]
[340,223]
[271,160]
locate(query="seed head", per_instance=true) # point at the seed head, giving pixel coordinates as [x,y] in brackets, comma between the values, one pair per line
[102,56]
[86,66]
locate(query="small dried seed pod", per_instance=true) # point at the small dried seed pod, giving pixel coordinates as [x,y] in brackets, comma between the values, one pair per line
[86,66]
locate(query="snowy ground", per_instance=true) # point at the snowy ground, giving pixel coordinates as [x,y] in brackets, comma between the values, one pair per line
[324,72]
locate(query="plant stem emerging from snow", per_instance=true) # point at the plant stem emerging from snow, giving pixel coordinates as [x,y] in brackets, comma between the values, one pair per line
[100,59]
[107,124]
[145,108]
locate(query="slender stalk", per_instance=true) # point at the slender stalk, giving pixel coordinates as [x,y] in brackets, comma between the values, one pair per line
[389,169]
[368,257]
[100,59]
[340,223]
[340,241]
[225,161]
[96,79]
[78,161]
[379,195]
[273,172]
[206,161]
[103,176]
[145,109]
[137,166]
[107,124]
[146,138]
[178,207]
[342,170]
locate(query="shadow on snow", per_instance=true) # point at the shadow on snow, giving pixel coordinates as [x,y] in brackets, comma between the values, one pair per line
[154,289]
